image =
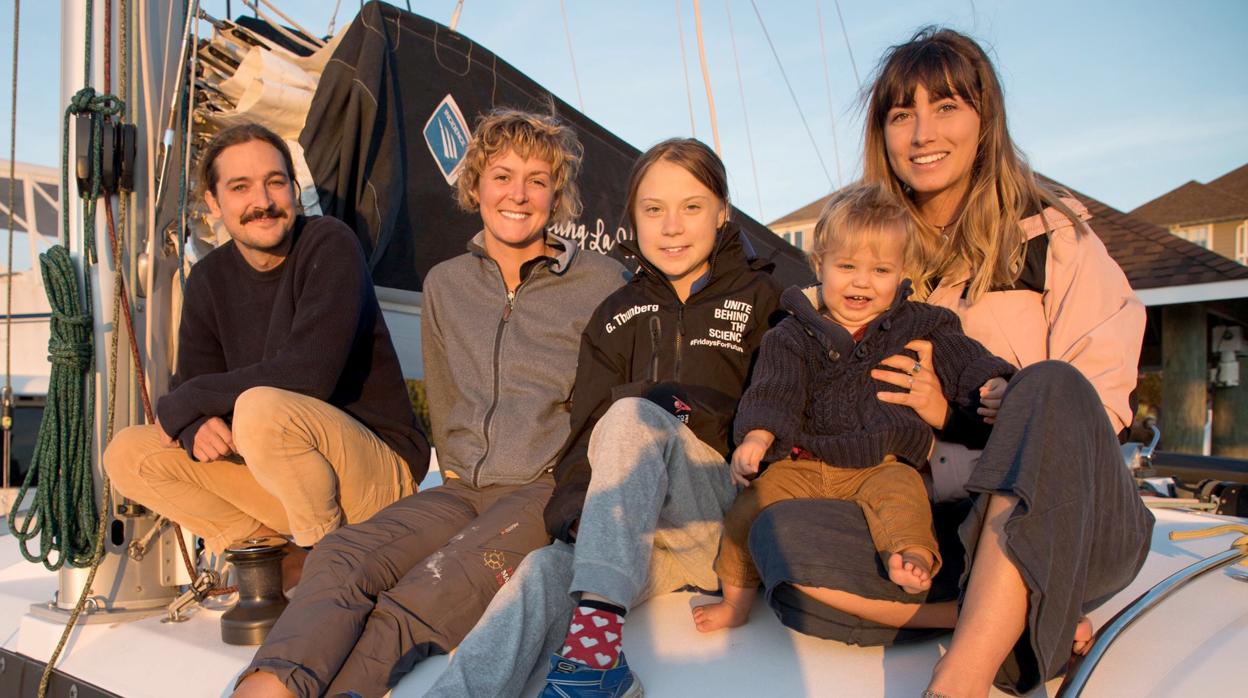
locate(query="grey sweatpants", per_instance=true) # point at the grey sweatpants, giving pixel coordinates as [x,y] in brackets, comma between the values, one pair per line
[651,524]
[378,597]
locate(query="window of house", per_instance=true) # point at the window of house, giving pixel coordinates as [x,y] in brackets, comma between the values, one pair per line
[797,240]
[1241,243]
[1199,234]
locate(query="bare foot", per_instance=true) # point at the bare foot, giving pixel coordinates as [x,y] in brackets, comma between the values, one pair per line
[911,569]
[292,566]
[1083,637]
[716,616]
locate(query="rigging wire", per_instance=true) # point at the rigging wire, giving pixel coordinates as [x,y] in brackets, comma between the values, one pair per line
[814,146]
[684,70]
[7,396]
[567,34]
[848,48]
[827,82]
[311,42]
[749,141]
[706,75]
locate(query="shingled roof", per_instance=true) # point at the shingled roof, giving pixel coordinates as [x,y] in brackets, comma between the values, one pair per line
[1150,255]
[1234,182]
[808,212]
[1195,203]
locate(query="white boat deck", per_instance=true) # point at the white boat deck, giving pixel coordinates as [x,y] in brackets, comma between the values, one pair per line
[1194,644]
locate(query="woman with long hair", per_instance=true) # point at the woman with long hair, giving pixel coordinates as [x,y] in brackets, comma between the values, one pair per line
[1043,523]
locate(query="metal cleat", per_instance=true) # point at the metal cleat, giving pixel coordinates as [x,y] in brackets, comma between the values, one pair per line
[196,593]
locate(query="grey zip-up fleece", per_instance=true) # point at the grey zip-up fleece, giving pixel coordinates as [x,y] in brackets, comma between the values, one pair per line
[499,370]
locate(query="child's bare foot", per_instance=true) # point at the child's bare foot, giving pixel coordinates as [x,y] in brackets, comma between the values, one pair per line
[911,569]
[719,615]
[1083,637]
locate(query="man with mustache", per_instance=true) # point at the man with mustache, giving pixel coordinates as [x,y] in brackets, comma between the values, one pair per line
[288,414]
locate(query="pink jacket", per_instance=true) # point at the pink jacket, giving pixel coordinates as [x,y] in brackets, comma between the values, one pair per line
[1087,316]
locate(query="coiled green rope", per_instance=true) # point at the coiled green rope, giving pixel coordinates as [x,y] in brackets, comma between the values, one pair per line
[63,514]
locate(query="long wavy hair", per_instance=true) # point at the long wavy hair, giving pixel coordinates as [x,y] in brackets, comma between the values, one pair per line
[984,238]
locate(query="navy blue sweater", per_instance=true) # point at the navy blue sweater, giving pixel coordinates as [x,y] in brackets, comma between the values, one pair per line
[812,387]
[311,325]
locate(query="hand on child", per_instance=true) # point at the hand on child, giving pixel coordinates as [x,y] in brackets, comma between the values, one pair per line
[747,456]
[920,387]
[990,395]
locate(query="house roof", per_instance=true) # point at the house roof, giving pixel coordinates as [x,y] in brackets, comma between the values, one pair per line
[808,212]
[1193,203]
[1151,256]
[1234,182]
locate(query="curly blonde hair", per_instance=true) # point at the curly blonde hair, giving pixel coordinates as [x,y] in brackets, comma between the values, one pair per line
[529,135]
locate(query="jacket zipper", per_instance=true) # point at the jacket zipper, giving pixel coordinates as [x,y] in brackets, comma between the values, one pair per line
[680,337]
[498,351]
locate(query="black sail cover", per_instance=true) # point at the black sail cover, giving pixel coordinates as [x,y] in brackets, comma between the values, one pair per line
[388,127]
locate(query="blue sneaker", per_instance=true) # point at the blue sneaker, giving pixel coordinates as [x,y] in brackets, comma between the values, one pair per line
[569,679]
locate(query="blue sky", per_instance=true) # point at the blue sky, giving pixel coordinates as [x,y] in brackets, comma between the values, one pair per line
[1120,100]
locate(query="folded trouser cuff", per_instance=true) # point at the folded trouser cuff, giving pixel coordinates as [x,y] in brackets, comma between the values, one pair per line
[607,581]
[737,576]
[294,677]
[311,536]
[928,544]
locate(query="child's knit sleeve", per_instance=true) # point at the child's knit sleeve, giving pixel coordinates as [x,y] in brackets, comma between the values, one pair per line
[961,363]
[778,392]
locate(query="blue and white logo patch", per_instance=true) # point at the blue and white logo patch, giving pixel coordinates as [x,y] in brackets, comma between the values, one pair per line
[446,133]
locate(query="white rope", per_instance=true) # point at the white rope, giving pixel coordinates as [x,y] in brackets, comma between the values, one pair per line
[813,145]
[684,70]
[706,76]
[749,141]
[459,7]
[567,34]
[827,82]
[333,19]
[848,48]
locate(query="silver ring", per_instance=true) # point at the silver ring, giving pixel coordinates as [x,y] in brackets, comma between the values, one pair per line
[916,368]
[911,379]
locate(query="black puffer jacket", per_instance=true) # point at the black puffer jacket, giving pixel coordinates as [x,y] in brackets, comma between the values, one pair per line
[643,342]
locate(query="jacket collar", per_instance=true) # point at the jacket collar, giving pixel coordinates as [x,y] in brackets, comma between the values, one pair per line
[565,249]
[806,306]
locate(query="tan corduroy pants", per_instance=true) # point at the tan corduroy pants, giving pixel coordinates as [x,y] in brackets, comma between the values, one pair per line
[303,468]
[891,494]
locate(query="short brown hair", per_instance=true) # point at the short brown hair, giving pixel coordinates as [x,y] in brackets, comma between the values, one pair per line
[529,135]
[237,135]
[691,154]
[863,213]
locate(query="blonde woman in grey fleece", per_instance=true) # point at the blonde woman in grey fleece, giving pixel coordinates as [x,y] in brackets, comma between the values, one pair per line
[500,328]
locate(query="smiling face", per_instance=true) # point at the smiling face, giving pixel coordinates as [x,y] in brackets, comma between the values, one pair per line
[931,147]
[255,199]
[676,218]
[860,279]
[515,195]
